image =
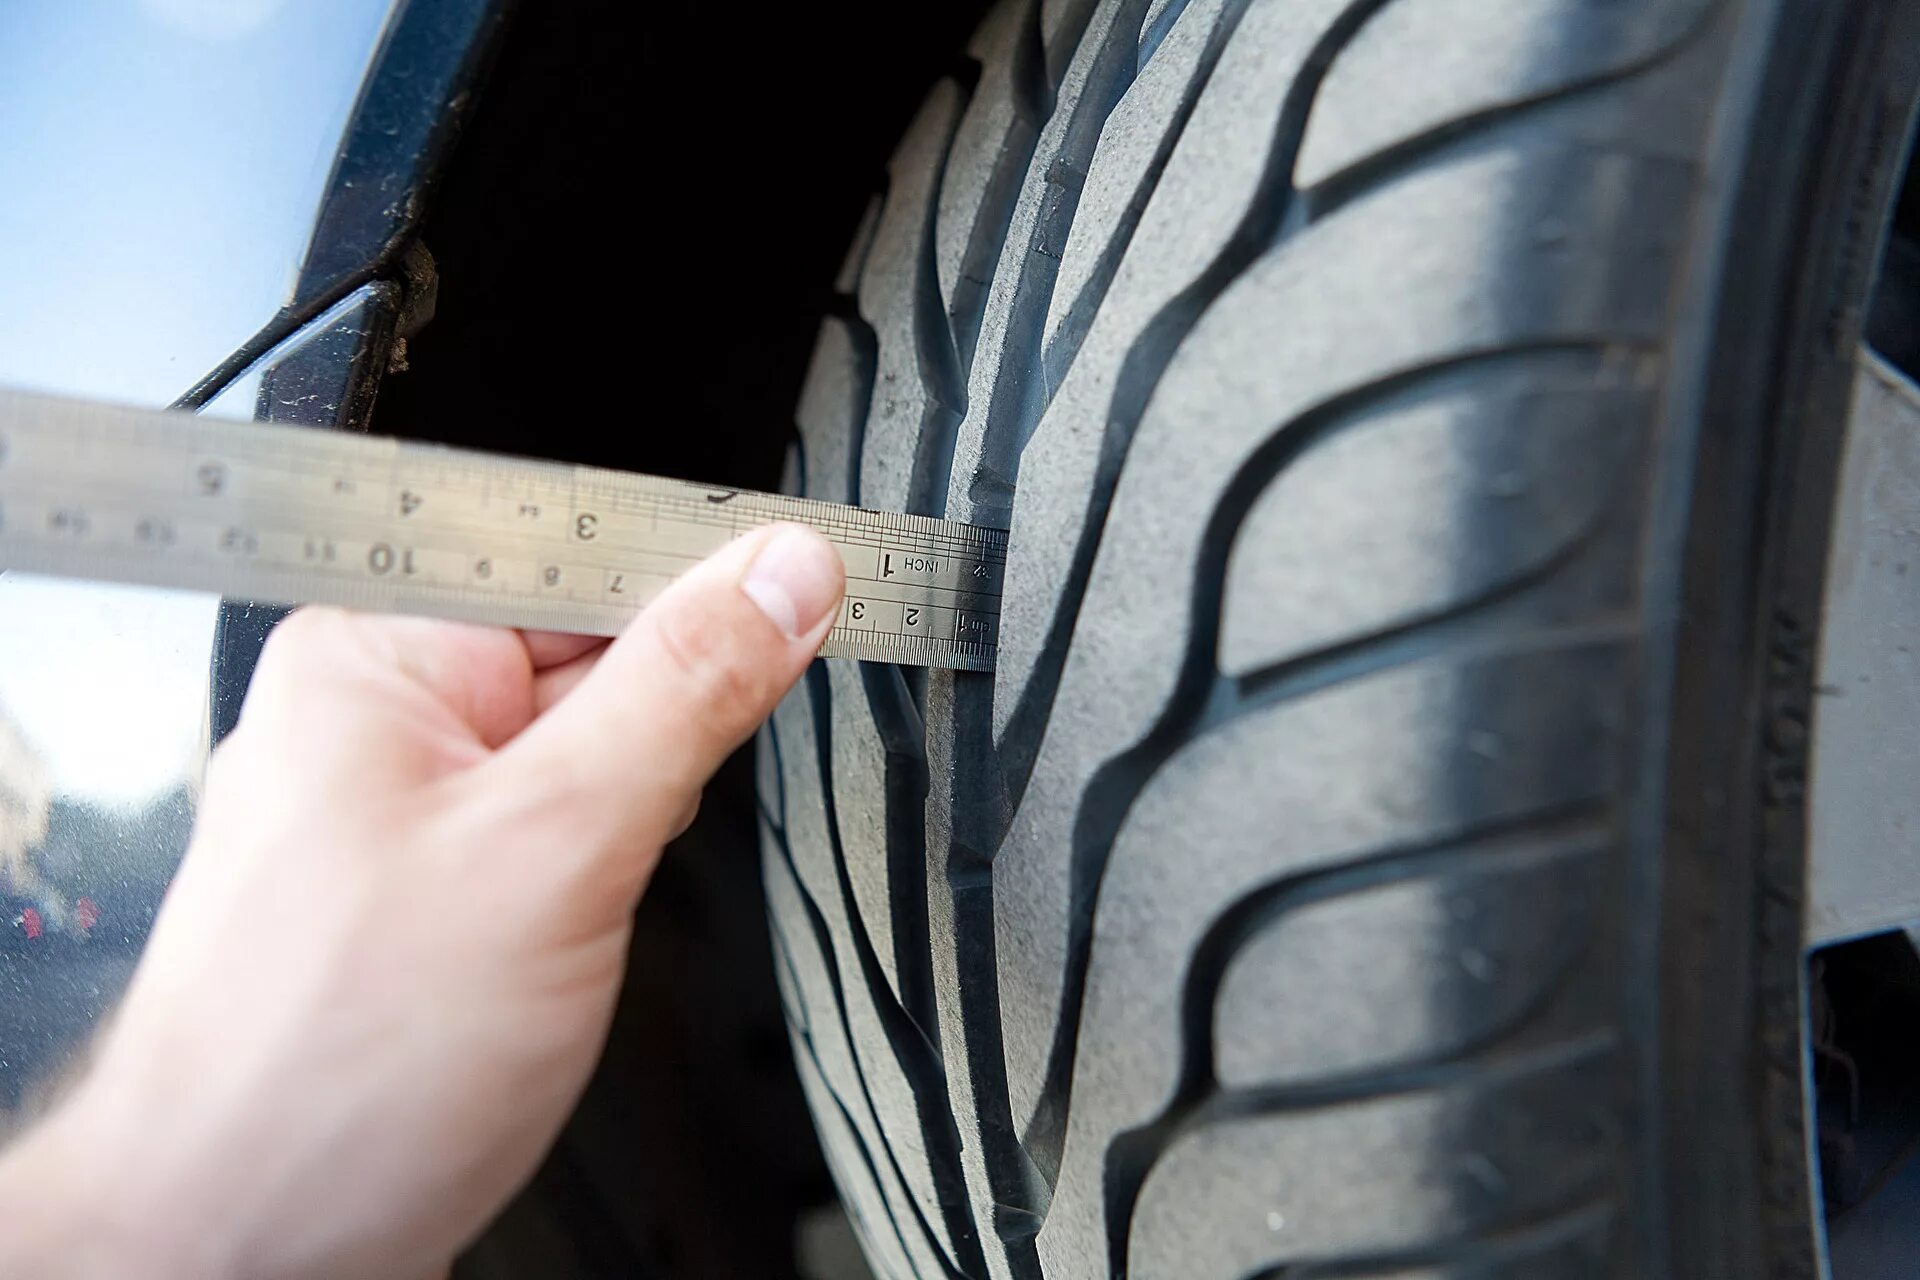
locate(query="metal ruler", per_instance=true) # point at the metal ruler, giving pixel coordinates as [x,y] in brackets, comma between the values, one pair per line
[298,515]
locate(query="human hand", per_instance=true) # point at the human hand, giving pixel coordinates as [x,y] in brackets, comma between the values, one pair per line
[384,972]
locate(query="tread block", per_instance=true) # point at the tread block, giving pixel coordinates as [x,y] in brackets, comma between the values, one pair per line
[915,389]
[1479,481]
[1135,141]
[857,1154]
[853,1171]
[1408,970]
[1063,25]
[788,982]
[1003,400]
[1161,15]
[901,1116]
[768,789]
[1395,1174]
[861,762]
[854,265]
[793,470]
[854,1054]
[1002,1187]
[990,150]
[1411,70]
[833,409]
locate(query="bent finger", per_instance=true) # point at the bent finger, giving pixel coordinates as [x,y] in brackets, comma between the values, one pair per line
[323,665]
[555,683]
[557,648]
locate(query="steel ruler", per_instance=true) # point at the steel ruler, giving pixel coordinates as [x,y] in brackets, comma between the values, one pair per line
[298,515]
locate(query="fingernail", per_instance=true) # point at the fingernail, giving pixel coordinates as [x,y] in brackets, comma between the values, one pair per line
[796,580]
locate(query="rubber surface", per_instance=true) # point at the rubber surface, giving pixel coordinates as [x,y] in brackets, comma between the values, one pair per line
[1272,910]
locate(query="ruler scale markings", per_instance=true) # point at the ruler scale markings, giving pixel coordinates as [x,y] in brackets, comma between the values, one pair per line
[305,515]
[444,525]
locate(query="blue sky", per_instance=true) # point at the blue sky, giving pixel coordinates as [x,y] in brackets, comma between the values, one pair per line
[160,162]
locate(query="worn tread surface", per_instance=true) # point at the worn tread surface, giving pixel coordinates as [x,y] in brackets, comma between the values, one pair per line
[1264,915]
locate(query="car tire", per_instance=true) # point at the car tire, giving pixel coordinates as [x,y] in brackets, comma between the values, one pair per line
[1379,849]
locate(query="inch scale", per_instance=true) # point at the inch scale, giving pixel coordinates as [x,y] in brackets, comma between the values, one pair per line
[296,515]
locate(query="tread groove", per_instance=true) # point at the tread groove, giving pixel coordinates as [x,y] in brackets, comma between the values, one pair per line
[1140,373]
[866,347]
[804,1043]
[1032,99]
[891,704]
[822,942]
[1018,1193]
[822,934]
[1015,401]
[1058,358]
[1154,32]
[940,365]
[917,1056]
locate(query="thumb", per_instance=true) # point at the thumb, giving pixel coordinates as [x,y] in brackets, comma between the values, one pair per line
[626,753]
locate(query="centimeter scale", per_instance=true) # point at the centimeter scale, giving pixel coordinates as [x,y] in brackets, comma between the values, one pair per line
[298,515]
